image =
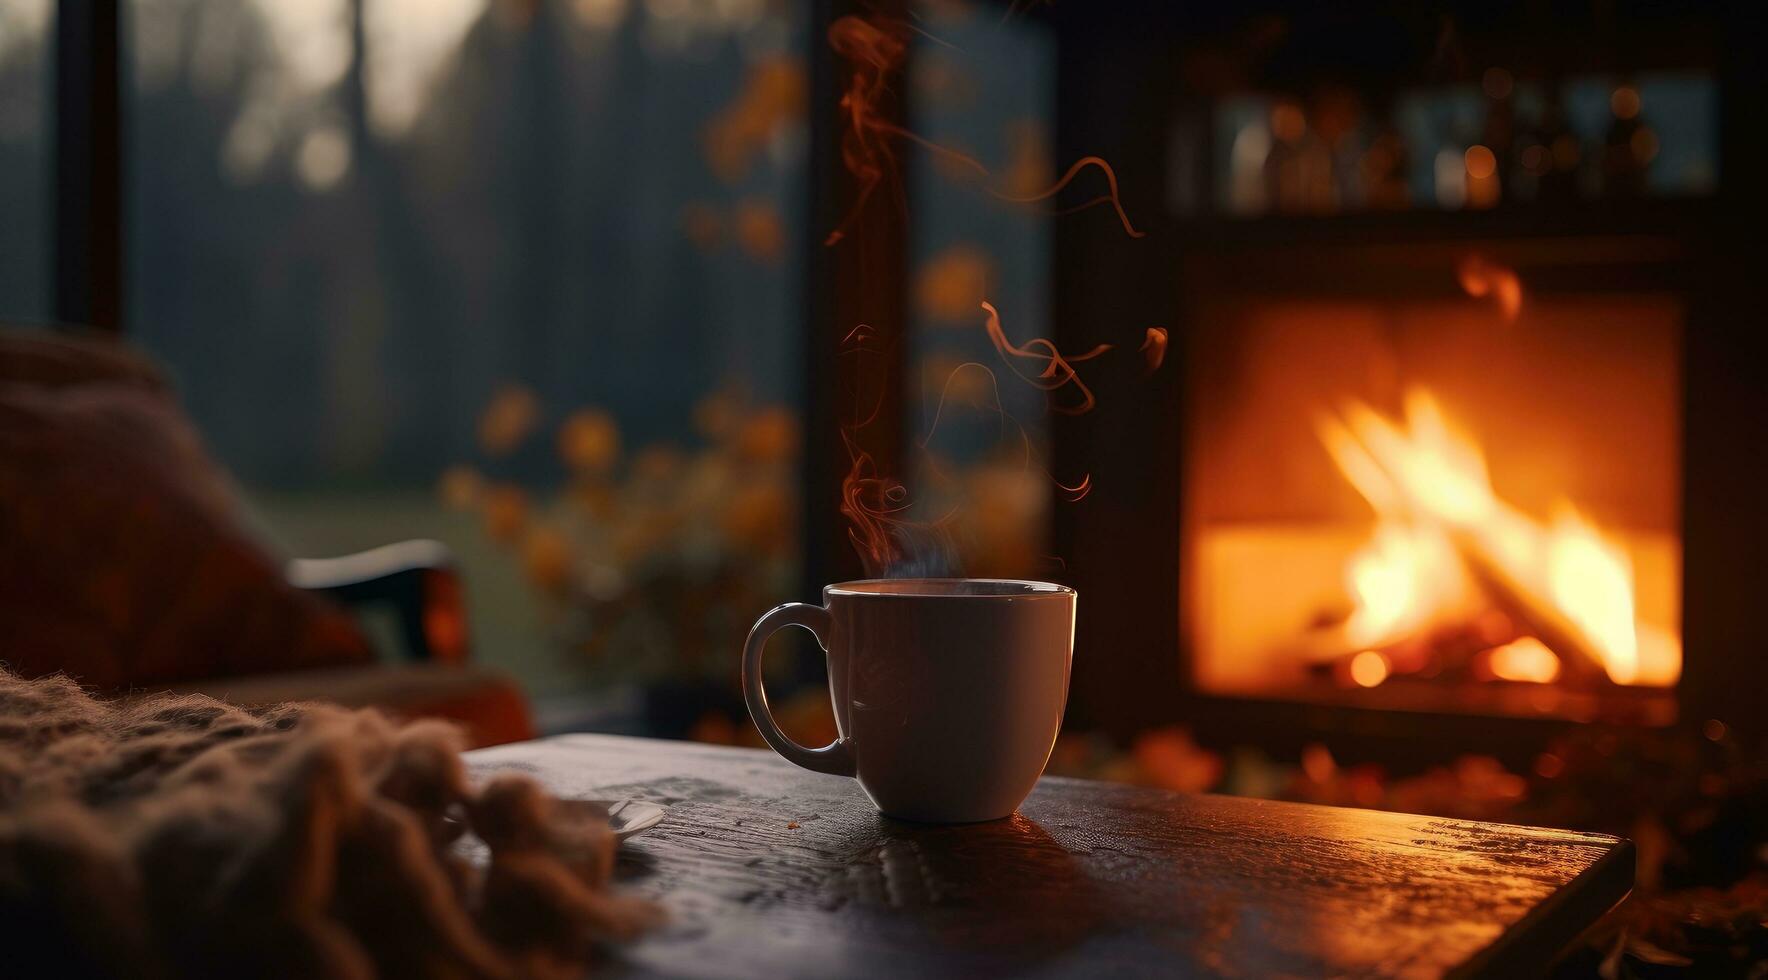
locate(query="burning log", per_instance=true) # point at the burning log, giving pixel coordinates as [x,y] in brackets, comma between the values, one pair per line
[1563,580]
[1523,610]
[1450,649]
[1580,662]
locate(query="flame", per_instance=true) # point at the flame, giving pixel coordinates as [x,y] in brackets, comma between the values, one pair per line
[1433,466]
[1393,580]
[1592,581]
[1481,278]
[1440,523]
[1057,368]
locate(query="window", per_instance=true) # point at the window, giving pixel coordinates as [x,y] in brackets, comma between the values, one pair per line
[518,276]
[26,45]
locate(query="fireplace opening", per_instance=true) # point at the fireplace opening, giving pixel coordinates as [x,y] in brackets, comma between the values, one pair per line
[1464,502]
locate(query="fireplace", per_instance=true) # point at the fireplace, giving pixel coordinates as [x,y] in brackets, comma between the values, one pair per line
[1415,480]
[1435,502]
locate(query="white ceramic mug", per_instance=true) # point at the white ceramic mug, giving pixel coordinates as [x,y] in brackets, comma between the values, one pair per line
[948,693]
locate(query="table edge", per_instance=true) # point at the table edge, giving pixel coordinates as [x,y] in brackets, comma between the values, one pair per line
[1528,946]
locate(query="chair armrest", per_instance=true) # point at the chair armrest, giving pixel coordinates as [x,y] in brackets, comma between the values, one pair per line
[417,578]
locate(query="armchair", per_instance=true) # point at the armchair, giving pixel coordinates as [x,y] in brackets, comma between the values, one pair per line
[430,677]
[417,579]
[127,566]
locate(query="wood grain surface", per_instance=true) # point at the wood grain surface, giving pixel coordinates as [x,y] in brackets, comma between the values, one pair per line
[771,871]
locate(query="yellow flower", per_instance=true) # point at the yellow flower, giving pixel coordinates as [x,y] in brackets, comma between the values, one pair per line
[760,230]
[508,419]
[506,512]
[716,414]
[546,558]
[772,96]
[1028,170]
[460,487]
[702,224]
[589,441]
[952,284]
[757,516]
[657,464]
[768,436]
[597,499]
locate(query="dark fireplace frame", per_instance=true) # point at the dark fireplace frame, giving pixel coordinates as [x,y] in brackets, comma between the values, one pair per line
[1121,70]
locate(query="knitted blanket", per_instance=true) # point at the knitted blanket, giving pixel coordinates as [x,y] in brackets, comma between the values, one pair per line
[180,836]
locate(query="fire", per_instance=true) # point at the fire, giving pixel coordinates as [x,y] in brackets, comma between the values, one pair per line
[1592,581]
[1393,578]
[1443,531]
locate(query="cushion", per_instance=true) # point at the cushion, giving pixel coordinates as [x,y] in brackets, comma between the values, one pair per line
[63,359]
[125,562]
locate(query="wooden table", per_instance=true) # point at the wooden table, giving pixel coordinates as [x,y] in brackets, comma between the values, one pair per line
[771,871]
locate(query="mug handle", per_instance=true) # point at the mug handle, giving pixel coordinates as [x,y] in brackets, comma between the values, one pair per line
[836,757]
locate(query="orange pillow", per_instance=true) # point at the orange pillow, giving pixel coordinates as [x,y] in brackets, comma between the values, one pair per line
[122,561]
[66,357]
